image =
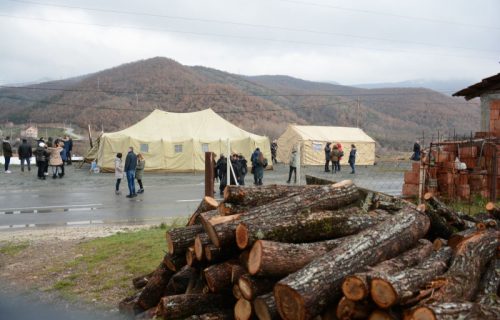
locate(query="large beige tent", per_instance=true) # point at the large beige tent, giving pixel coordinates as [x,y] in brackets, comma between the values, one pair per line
[313,139]
[176,142]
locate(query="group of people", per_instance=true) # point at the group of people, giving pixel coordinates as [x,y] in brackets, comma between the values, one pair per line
[53,153]
[238,173]
[335,153]
[133,169]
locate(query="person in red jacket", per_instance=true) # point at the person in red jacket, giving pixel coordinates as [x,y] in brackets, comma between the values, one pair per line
[341,154]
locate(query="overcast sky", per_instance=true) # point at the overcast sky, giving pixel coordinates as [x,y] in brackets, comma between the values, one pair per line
[344,41]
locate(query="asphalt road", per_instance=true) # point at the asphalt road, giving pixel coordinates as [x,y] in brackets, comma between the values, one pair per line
[81,198]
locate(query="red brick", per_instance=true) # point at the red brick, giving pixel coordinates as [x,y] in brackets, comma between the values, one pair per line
[410,190]
[463,191]
[412,177]
[415,166]
[468,152]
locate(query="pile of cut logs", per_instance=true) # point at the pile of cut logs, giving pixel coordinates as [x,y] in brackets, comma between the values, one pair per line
[324,251]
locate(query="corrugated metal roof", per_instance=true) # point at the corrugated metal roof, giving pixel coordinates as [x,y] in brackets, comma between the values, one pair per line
[486,85]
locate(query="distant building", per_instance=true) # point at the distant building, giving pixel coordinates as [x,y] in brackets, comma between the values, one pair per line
[30,132]
[9,124]
[488,90]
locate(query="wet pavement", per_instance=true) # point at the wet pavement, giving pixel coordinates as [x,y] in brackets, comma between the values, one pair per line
[81,198]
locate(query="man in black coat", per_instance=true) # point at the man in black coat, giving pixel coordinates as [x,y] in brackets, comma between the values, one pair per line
[130,166]
[24,152]
[7,153]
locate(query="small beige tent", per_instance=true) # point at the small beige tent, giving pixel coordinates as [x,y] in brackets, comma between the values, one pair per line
[176,142]
[313,139]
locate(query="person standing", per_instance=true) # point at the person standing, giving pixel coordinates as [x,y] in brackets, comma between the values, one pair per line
[294,162]
[55,161]
[24,152]
[118,172]
[7,153]
[243,168]
[328,150]
[334,157]
[130,166]
[222,170]
[41,156]
[253,160]
[259,165]
[139,170]
[341,155]
[63,157]
[274,150]
[69,150]
[352,158]
[416,151]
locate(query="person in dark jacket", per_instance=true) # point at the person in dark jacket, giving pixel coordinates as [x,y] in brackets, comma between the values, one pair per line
[335,158]
[222,170]
[416,151]
[352,158]
[63,157]
[328,150]
[259,164]
[24,152]
[50,142]
[253,160]
[7,153]
[42,159]
[236,172]
[244,169]
[274,150]
[68,146]
[130,166]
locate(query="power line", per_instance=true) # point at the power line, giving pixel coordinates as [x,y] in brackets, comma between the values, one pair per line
[373,12]
[206,34]
[226,22]
[225,94]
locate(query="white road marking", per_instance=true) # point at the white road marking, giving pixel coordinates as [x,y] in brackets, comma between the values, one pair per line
[52,207]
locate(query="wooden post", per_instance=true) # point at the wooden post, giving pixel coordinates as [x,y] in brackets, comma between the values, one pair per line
[209,174]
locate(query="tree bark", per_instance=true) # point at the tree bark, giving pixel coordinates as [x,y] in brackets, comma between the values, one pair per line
[200,241]
[129,305]
[214,254]
[228,209]
[265,307]
[185,305]
[141,281]
[218,315]
[325,198]
[305,294]
[312,180]
[306,226]
[206,204]
[179,239]
[348,309]
[237,270]
[174,263]
[251,287]
[389,290]
[455,310]
[489,285]
[439,226]
[243,310]
[257,196]
[493,210]
[179,282]
[469,261]
[455,239]
[451,217]
[191,258]
[218,277]
[356,287]
[277,259]
[152,292]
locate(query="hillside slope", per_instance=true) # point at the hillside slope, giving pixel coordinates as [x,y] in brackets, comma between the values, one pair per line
[117,97]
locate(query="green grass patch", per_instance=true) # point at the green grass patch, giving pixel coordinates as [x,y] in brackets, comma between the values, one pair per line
[104,267]
[13,248]
[472,207]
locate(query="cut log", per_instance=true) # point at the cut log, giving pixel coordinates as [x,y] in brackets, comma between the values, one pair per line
[219,315]
[383,315]
[141,281]
[179,282]
[356,287]
[455,310]
[323,198]
[237,271]
[278,259]
[306,226]
[196,285]
[174,263]
[179,239]
[237,292]
[257,196]
[368,202]
[206,204]
[252,287]
[489,285]
[154,289]
[129,305]
[191,258]
[228,209]
[348,309]
[200,241]
[265,307]
[439,243]
[243,310]
[469,261]
[218,277]
[214,254]
[244,257]
[492,209]
[389,290]
[312,180]
[451,217]
[185,305]
[456,238]
[148,314]
[439,226]
[305,294]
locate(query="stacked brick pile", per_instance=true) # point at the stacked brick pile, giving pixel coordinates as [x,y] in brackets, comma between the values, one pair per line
[444,179]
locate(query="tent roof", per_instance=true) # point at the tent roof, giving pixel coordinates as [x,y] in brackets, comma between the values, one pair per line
[325,133]
[205,125]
